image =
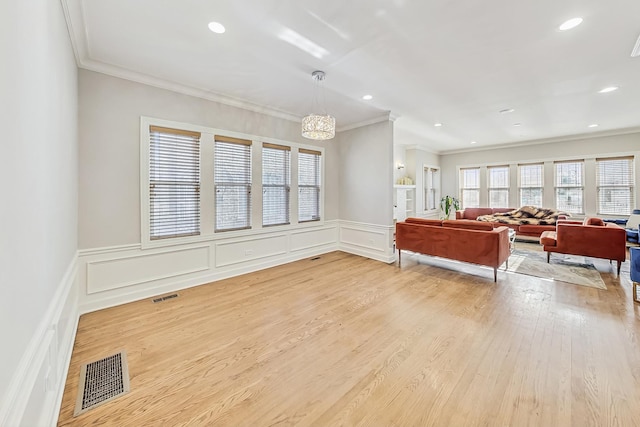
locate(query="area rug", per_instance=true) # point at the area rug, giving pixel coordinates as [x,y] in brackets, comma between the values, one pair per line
[574,269]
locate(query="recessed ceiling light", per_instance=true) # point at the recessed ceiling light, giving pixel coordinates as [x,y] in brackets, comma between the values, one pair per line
[608,89]
[571,23]
[216,27]
[506,110]
[473,142]
[367,97]
[517,124]
[594,125]
[437,125]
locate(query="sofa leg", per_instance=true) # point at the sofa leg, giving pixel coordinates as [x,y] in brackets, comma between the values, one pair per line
[495,274]
[548,256]
[619,265]
[399,258]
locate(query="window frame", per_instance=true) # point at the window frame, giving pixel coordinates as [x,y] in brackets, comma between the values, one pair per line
[464,188]
[207,195]
[319,186]
[491,188]
[285,184]
[246,186]
[430,187]
[522,187]
[570,187]
[631,187]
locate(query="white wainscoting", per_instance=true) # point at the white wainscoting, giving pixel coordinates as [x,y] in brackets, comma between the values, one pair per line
[117,275]
[367,240]
[35,393]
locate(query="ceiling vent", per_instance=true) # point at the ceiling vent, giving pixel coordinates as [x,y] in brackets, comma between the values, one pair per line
[636,49]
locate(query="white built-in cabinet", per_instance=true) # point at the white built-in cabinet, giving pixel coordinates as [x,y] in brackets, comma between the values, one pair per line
[404,201]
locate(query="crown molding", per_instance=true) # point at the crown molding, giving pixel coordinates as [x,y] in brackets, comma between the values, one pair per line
[384,118]
[420,148]
[202,93]
[567,138]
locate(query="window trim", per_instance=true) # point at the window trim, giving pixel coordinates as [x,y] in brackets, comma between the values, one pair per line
[462,188]
[320,186]
[286,185]
[207,233]
[436,189]
[556,187]
[631,187]
[521,187]
[501,189]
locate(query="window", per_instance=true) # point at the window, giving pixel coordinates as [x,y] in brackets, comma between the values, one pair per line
[276,172]
[615,180]
[498,186]
[470,187]
[569,179]
[232,181]
[308,185]
[174,183]
[531,183]
[431,188]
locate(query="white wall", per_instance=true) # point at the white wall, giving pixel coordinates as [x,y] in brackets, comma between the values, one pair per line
[38,171]
[366,174]
[110,110]
[578,148]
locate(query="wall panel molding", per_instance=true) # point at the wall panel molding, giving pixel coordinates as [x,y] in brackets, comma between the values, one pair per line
[368,240]
[121,274]
[35,392]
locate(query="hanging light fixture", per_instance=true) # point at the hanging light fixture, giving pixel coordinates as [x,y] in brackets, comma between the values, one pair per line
[318,126]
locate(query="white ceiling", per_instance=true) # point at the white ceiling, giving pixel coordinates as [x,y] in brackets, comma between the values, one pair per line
[457,62]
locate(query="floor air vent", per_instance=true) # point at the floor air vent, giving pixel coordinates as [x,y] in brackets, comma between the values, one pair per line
[102,381]
[164,298]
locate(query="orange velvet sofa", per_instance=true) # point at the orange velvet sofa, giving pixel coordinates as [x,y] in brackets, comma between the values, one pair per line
[592,238]
[462,240]
[530,230]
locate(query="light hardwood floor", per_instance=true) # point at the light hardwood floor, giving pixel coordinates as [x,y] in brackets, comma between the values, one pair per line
[343,340]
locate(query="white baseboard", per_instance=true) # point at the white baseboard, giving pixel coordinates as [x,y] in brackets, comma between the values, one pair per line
[35,393]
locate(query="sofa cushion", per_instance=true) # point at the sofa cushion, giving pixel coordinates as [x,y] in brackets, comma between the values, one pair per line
[593,221]
[473,213]
[537,229]
[467,224]
[548,238]
[424,221]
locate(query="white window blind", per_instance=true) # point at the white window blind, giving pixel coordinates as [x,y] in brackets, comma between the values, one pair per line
[498,186]
[232,180]
[308,185]
[569,185]
[615,180]
[470,187]
[531,183]
[174,183]
[276,183]
[431,188]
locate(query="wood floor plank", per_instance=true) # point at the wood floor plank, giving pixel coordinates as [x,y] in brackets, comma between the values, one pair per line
[344,340]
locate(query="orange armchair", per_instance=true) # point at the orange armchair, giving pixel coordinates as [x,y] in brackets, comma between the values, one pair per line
[593,238]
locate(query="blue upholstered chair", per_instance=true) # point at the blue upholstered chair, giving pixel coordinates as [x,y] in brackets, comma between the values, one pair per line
[632,226]
[635,270]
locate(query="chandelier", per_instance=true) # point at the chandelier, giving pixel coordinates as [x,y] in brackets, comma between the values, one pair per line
[318,126]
